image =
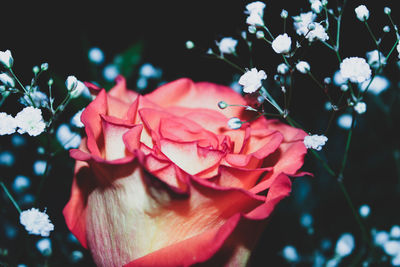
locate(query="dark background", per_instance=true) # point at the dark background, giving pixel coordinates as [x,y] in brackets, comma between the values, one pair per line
[61,33]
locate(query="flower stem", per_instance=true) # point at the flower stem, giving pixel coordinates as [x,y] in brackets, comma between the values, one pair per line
[346,151]
[10,196]
[23,87]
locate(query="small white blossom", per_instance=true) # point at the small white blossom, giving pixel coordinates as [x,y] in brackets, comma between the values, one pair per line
[398,49]
[344,121]
[254,19]
[67,138]
[364,210]
[7,124]
[110,72]
[362,12]
[39,167]
[392,247]
[6,59]
[76,119]
[338,79]
[189,44]
[227,45]
[234,123]
[39,98]
[316,6]
[36,222]
[290,253]
[252,29]
[302,21]
[79,89]
[44,246]
[395,231]
[96,55]
[360,107]
[260,34]
[255,7]
[374,57]
[303,67]
[381,237]
[387,10]
[355,69]
[251,80]
[318,33]
[149,71]
[386,28]
[282,68]
[30,121]
[345,245]
[284,14]
[21,183]
[315,141]
[282,44]
[7,80]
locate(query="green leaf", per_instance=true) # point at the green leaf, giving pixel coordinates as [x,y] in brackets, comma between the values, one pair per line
[128,60]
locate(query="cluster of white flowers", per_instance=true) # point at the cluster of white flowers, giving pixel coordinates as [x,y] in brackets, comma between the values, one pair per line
[252,80]
[29,120]
[318,33]
[281,44]
[255,10]
[36,222]
[302,21]
[355,69]
[315,141]
[227,45]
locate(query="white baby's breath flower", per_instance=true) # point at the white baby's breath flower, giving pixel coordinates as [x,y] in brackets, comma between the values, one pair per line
[67,138]
[234,123]
[254,19]
[36,222]
[360,107]
[251,80]
[398,49]
[6,59]
[260,34]
[303,67]
[315,141]
[318,33]
[7,80]
[189,44]
[96,55]
[373,58]
[355,69]
[302,21]
[227,45]
[7,124]
[316,6]
[284,14]
[344,121]
[386,28]
[345,245]
[71,82]
[39,98]
[387,10]
[30,121]
[147,70]
[80,87]
[256,7]
[76,119]
[282,68]
[362,12]
[282,44]
[377,86]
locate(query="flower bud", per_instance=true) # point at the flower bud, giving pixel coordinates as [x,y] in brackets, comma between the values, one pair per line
[6,59]
[234,123]
[44,66]
[50,82]
[35,70]
[387,10]
[260,34]
[222,104]
[189,45]
[252,29]
[311,26]
[284,14]
[386,29]
[71,83]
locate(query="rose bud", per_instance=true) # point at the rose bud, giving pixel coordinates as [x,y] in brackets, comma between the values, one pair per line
[161,180]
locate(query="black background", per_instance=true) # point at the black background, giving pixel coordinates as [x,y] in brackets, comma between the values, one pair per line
[61,32]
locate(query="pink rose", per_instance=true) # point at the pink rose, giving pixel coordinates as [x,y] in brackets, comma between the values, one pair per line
[160,180]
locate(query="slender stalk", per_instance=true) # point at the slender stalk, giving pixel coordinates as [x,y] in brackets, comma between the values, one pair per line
[371,33]
[10,196]
[23,88]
